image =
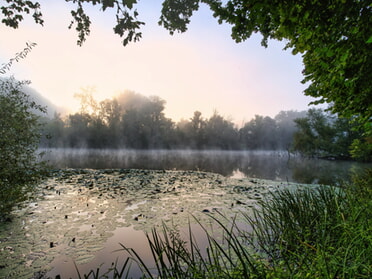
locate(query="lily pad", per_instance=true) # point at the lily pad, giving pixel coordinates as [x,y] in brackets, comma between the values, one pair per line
[77,211]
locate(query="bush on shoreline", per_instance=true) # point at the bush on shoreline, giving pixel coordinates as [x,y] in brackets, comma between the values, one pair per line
[20,169]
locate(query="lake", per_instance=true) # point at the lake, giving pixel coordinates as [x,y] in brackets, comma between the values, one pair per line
[272,165]
[97,199]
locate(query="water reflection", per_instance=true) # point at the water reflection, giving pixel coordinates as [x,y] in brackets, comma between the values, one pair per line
[83,215]
[271,165]
[106,258]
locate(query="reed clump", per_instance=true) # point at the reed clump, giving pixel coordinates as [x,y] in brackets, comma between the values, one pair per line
[304,233]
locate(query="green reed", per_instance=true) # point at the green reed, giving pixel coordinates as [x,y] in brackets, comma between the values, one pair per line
[320,232]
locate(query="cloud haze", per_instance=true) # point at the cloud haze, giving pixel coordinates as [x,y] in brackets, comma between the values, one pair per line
[202,69]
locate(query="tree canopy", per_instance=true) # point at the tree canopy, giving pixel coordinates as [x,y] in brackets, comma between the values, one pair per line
[134,121]
[334,38]
[324,135]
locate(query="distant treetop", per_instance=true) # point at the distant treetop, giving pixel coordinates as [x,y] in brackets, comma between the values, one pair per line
[334,38]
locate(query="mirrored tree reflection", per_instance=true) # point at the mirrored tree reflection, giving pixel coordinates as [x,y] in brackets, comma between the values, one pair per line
[270,165]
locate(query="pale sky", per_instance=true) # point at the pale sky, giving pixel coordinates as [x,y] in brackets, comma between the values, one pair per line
[202,69]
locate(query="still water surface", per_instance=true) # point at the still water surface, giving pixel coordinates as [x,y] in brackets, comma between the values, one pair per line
[83,215]
[272,165]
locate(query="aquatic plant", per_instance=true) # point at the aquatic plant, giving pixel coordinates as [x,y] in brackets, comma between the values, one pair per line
[113,272]
[302,233]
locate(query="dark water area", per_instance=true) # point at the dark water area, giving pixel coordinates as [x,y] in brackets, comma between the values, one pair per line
[271,165]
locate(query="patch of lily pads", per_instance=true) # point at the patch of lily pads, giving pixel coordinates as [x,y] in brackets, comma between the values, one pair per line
[76,211]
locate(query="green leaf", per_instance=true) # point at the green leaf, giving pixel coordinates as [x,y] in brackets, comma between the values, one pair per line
[130,3]
[330,53]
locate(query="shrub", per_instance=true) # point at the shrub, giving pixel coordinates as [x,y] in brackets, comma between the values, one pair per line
[20,168]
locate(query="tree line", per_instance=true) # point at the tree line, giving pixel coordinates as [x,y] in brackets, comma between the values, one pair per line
[333,37]
[134,121]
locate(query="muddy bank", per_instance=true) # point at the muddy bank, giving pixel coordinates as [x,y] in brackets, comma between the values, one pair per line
[77,212]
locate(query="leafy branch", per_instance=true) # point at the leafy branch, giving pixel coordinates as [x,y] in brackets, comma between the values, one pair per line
[18,56]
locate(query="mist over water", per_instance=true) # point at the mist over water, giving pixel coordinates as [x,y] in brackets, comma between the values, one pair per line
[271,165]
[98,198]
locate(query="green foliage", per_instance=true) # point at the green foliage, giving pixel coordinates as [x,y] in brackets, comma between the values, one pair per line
[146,126]
[361,150]
[53,130]
[19,55]
[319,232]
[333,37]
[220,133]
[315,134]
[323,135]
[127,25]
[20,134]
[13,12]
[286,127]
[192,131]
[126,21]
[175,15]
[134,121]
[322,232]
[260,133]
[113,272]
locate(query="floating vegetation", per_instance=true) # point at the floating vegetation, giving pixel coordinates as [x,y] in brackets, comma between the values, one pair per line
[77,211]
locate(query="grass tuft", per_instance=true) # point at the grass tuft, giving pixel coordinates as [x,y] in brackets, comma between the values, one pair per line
[320,232]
